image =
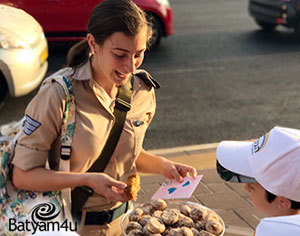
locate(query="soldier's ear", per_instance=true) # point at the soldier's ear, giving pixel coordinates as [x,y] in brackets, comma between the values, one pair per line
[284,203]
[92,42]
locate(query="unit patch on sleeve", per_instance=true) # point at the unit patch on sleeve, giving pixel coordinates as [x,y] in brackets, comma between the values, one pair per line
[30,125]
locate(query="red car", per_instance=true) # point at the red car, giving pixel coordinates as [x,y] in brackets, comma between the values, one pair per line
[64,20]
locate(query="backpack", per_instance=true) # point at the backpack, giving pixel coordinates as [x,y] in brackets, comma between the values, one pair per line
[23,212]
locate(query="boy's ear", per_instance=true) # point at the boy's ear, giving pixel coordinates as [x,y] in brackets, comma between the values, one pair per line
[284,203]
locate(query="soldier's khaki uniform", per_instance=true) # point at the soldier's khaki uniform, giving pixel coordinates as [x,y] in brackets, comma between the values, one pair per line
[93,120]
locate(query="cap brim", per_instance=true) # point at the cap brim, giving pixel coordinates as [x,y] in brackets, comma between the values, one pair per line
[232,161]
[230,176]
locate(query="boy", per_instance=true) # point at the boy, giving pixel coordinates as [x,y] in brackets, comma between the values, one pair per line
[270,171]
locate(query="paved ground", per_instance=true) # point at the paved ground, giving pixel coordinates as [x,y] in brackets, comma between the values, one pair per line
[229,200]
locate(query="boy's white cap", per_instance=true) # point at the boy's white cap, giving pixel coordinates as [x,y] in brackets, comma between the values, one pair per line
[273,160]
[278,226]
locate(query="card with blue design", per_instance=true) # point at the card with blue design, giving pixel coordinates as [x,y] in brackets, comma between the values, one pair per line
[172,189]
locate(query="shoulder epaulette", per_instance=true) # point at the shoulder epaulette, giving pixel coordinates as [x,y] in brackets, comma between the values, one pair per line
[147,78]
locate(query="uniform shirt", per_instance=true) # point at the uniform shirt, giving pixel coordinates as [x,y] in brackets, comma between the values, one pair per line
[279,226]
[93,120]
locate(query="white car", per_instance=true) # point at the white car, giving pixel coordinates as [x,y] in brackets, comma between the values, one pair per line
[23,52]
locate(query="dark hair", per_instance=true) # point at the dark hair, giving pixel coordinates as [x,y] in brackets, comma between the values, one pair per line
[108,17]
[270,198]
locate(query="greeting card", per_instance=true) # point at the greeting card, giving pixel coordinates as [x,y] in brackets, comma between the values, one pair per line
[172,189]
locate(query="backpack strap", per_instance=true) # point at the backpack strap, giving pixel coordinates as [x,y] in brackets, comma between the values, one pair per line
[67,131]
[68,123]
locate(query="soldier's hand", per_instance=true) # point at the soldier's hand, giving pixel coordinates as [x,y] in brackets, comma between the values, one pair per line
[111,189]
[174,170]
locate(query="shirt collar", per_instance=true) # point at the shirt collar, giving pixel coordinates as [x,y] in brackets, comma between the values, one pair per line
[84,71]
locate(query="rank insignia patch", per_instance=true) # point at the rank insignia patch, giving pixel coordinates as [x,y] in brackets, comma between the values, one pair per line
[30,125]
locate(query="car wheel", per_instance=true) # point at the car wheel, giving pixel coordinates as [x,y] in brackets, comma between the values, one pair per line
[157,31]
[3,89]
[266,25]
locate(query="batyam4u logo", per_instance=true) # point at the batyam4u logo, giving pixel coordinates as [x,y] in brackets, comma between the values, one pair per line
[45,217]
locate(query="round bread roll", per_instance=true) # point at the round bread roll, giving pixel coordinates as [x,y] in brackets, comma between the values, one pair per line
[195,232]
[157,213]
[174,232]
[169,216]
[200,225]
[212,216]
[176,210]
[185,221]
[146,210]
[136,214]
[158,204]
[144,220]
[205,233]
[214,227]
[185,231]
[131,226]
[198,213]
[185,209]
[155,226]
[146,231]
[135,232]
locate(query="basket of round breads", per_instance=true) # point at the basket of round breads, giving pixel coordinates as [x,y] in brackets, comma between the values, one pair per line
[172,218]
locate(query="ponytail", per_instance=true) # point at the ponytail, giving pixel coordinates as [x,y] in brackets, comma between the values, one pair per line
[78,54]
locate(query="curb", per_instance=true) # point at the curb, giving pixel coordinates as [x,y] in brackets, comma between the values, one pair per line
[177,151]
[202,156]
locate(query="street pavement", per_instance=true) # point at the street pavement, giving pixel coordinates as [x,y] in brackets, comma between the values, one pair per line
[229,200]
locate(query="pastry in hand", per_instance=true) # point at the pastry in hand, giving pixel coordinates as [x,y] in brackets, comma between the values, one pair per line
[133,186]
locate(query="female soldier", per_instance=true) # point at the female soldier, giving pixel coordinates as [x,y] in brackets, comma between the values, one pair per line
[98,66]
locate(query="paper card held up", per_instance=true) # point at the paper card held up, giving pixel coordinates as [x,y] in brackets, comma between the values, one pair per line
[172,189]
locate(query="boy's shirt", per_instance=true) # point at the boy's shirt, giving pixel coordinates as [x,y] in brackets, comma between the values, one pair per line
[279,226]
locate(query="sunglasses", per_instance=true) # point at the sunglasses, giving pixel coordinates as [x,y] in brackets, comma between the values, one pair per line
[227,175]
